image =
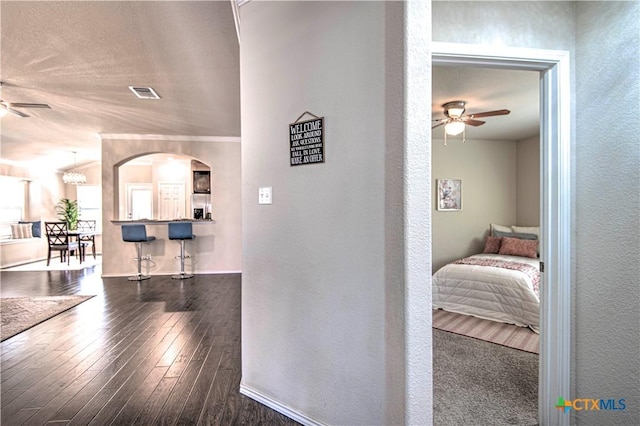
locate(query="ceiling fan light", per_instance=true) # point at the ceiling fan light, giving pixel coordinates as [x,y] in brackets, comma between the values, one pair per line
[455,112]
[454,128]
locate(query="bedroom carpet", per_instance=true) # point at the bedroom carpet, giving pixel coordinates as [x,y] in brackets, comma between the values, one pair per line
[479,383]
[21,313]
[495,332]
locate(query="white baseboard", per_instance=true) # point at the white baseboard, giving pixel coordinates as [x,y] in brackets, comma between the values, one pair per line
[128,274]
[278,406]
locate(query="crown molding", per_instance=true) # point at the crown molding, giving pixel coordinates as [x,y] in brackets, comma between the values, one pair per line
[177,138]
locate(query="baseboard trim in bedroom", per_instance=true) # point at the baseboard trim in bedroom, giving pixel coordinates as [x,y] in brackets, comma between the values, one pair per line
[278,406]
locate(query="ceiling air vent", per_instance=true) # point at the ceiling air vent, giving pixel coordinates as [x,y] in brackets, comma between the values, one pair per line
[144,92]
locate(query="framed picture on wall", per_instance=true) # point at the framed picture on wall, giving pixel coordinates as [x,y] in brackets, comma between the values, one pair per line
[449,195]
[201,182]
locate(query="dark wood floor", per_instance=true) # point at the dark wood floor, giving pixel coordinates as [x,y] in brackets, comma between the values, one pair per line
[159,352]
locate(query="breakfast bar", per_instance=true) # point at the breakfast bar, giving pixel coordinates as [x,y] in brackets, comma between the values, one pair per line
[160,255]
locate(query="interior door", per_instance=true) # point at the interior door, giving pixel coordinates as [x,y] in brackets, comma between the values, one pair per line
[172,200]
[139,201]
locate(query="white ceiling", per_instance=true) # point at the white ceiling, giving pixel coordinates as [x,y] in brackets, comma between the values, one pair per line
[80,58]
[490,89]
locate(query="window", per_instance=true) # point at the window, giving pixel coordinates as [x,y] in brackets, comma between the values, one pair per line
[90,204]
[12,203]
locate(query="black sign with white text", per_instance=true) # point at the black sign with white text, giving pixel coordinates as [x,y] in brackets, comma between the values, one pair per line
[306,142]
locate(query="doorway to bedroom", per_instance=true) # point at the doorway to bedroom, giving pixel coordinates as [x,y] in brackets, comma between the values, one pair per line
[552,69]
[486,183]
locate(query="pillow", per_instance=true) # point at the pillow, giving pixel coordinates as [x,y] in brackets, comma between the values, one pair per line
[26,230]
[521,236]
[16,231]
[528,230]
[499,228]
[518,247]
[36,228]
[21,230]
[492,245]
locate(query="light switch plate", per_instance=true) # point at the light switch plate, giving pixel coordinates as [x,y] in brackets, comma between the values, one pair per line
[264,195]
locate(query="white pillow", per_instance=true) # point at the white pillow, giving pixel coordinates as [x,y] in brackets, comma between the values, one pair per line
[500,228]
[16,231]
[27,230]
[21,230]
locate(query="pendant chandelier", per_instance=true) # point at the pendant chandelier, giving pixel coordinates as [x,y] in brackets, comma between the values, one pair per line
[74,177]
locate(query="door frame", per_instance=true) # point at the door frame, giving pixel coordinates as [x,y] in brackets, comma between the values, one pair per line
[555,206]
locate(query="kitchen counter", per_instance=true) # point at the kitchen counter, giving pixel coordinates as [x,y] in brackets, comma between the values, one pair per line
[160,222]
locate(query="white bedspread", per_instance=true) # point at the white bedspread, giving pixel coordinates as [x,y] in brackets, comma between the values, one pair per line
[488,292]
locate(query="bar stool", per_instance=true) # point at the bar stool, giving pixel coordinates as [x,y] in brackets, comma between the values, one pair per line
[137,233]
[181,231]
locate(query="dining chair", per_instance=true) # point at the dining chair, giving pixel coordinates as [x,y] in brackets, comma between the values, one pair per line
[86,240]
[59,240]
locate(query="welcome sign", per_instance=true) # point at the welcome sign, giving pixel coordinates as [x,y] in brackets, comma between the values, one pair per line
[306,141]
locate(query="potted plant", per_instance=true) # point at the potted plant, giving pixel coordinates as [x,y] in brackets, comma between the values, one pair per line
[67,211]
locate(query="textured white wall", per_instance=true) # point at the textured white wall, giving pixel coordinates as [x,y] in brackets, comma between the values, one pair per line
[304,329]
[322,327]
[539,24]
[607,290]
[488,173]
[603,39]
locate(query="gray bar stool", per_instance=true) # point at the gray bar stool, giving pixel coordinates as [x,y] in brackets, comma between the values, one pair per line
[137,233]
[181,231]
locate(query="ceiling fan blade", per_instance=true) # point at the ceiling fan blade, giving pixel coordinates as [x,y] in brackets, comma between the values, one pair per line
[28,105]
[437,125]
[489,113]
[473,122]
[16,112]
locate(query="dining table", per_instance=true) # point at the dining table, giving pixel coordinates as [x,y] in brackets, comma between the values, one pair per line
[77,234]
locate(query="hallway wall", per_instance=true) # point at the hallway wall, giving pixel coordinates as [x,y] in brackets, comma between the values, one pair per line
[317,334]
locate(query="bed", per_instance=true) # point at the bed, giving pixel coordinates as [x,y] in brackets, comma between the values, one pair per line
[495,286]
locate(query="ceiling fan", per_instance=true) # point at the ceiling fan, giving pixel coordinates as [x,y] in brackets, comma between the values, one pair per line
[456,120]
[10,107]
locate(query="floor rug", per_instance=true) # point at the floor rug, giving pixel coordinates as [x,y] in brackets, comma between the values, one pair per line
[56,265]
[495,332]
[21,313]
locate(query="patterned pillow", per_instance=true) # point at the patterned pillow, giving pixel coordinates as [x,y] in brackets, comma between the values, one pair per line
[518,247]
[21,230]
[492,244]
[36,228]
